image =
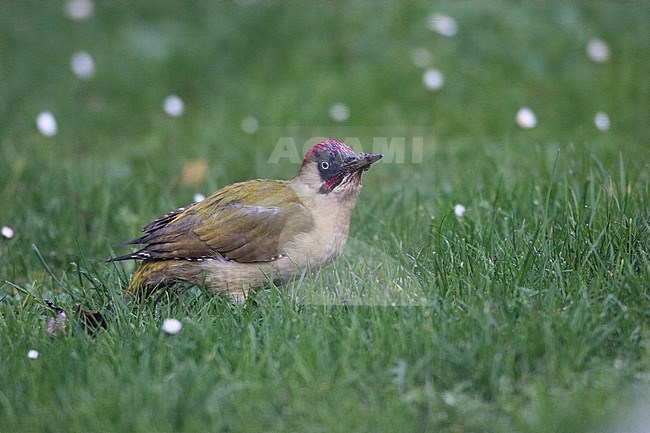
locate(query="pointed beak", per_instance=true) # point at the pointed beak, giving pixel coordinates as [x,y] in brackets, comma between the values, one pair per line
[363,161]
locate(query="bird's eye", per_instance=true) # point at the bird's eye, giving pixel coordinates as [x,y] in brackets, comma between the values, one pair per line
[324,165]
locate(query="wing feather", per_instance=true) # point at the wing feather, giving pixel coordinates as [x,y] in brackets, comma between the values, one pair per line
[252,228]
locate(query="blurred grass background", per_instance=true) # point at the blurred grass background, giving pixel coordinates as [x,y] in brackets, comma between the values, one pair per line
[537,311]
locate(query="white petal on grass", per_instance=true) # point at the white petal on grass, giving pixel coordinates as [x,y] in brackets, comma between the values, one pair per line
[339,112]
[525,118]
[433,79]
[46,124]
[601,120]
[174,106]
[32,354]
[421,57]
[7,232]
[198,197]
[79,10]
[449,398]
[443,25]
[598,50]
[83,65]
[171,326]
[250,125]
[459,210]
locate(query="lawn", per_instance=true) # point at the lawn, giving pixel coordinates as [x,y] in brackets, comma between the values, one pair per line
[497,273]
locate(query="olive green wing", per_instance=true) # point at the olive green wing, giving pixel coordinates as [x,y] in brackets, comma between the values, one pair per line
[245,222]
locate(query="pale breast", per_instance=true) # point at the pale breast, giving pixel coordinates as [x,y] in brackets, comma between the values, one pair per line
[331,213]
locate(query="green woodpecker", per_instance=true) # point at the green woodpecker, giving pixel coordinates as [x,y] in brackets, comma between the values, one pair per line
[250,233]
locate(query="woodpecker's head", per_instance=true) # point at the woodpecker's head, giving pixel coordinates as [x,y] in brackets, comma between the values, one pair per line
[332,166]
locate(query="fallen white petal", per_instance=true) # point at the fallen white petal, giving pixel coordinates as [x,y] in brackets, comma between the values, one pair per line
[174,106]
[449,398]
[526,118]
[339,112]
[83,65]
[249,125]
[433,79]
[459,210]
[601,120]
[46,124]
[598,50]
[32,354]
[79,10]
[443,25]
[172,326]
[7,232]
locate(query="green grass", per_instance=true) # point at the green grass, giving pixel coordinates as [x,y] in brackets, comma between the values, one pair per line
[528,314]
